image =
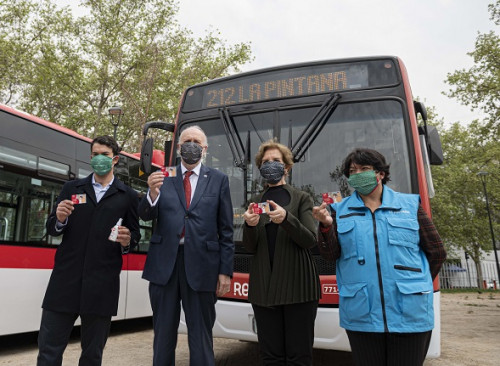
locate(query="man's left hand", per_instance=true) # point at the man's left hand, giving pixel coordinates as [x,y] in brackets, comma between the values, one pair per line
[223,285]
[123,236]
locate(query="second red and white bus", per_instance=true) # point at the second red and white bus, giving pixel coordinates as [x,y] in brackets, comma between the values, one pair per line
[36,158]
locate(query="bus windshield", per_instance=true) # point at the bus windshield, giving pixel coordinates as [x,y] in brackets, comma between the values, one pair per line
[375,124]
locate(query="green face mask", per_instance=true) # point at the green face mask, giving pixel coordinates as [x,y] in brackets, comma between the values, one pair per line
[364,183]
[101,164]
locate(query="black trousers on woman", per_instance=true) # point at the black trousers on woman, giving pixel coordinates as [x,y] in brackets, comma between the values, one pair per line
[286,333]
[389,349]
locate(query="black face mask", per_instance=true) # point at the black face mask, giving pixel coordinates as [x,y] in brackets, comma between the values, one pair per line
[191,152]
[272,171]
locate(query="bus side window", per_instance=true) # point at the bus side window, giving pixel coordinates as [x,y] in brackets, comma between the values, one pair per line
[25,204]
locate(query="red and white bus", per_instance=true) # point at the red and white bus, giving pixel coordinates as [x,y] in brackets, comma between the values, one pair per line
[36,158]
[322,110]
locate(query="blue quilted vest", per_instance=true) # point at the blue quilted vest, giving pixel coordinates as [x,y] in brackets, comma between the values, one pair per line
[383,275]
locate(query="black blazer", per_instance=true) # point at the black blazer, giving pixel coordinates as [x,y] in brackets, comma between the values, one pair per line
[86,275]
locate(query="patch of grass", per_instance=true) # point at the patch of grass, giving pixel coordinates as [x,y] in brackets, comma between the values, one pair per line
[477,305]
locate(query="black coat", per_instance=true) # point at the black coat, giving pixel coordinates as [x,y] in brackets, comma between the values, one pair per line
[86,275]
[293,278]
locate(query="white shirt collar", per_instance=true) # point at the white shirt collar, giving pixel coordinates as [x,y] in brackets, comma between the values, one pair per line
[196,169]
[94,183]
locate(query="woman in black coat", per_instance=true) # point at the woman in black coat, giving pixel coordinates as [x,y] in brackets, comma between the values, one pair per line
[284,284]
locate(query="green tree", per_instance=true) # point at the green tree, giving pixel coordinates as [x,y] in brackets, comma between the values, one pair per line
[479,86]
[459,209]
[127,52]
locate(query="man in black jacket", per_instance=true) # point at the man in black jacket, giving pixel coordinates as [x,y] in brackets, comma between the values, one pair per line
[85,281]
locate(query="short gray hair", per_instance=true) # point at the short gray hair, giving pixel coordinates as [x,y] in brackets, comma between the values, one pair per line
[196,127]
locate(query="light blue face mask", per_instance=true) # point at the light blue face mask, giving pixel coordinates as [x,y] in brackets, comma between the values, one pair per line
[101,164]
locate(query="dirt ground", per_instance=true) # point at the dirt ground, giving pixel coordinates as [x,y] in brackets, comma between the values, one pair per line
[470,330]
[470,337]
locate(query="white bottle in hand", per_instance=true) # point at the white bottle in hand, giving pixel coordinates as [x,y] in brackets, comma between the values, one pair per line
[114,230]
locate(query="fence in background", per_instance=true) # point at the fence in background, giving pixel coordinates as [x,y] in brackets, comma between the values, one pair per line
[458,275]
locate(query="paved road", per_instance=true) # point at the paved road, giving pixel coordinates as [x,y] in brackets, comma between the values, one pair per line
[131,343]
[470,323]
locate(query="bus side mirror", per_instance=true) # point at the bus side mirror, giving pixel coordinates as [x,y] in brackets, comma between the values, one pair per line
[436,151]
[147,145]
[420,109]
[147,155]
[433,142]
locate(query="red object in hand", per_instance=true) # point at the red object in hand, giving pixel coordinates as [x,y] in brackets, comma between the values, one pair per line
[74,199]
[327,198]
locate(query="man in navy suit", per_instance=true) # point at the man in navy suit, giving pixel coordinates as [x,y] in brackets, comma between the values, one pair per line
[190,258]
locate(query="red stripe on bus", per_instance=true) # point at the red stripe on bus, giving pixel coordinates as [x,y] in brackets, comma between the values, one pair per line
[16,256]
[134,262]
[13,256]
[239,288]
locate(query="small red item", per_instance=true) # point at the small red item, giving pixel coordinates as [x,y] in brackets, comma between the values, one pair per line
[327,198]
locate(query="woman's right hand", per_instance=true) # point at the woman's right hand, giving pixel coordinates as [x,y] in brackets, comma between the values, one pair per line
[321,214]
[251,218]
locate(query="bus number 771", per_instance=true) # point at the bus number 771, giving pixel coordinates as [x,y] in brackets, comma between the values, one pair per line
[328,288]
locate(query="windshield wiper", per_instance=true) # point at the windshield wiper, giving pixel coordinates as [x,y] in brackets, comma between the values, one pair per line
[233,138]
[241,154]
[315,126]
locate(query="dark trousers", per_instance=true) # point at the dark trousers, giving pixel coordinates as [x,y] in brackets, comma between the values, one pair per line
[389,349]
[286,333]
[55,330]
[199,309]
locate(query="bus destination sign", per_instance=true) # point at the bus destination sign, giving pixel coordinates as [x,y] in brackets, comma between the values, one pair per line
[288,83]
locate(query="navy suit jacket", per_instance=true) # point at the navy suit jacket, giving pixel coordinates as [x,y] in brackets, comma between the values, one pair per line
[209,246]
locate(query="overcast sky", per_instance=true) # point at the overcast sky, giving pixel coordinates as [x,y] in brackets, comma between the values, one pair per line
[432,37]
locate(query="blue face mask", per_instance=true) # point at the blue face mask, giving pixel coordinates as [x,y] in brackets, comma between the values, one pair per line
[272,171]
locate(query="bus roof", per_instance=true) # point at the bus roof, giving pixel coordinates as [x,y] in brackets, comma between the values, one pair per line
[53,126]
[296,65]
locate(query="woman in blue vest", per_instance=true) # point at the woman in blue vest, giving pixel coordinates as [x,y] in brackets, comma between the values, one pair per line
[388,253]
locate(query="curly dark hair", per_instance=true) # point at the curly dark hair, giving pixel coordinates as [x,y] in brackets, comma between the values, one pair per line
[371,157]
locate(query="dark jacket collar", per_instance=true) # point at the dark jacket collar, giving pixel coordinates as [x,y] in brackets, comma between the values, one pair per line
[86,183]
